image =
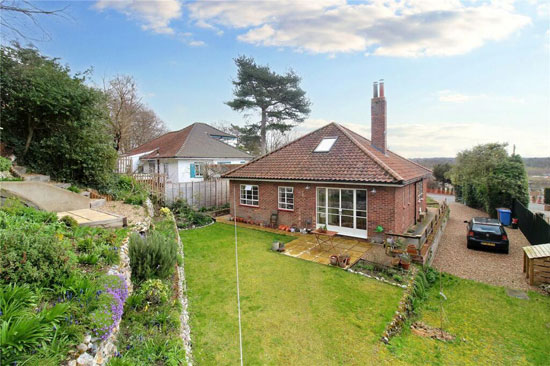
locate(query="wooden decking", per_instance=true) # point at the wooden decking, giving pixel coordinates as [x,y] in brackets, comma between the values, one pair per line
[90,217]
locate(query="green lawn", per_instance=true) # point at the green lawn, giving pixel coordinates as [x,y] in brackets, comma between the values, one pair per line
[301,313]
[497,329]
[293,312]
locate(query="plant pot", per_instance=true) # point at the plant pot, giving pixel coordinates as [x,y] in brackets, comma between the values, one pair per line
[411,249]
[333,260]
[405,265]
[275,246]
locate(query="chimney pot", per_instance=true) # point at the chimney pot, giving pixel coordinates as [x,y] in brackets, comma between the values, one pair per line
[375,89]
[381,88]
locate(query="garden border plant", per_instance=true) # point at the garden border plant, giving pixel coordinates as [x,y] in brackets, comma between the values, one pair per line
[90,294]
[151,325]
[422,278]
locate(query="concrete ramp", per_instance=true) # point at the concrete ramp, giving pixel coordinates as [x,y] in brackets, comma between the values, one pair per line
[44,196]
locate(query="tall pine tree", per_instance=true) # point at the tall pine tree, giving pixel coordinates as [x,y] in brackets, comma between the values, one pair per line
[279,98]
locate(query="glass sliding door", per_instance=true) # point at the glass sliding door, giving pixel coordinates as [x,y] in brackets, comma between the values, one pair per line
[343,210]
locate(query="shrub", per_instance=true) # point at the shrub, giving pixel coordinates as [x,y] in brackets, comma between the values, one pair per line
[30,254]
[5,164]
[127,189]
[69,221]
[74,189]
[152,257]
[186,217]
[15,207]
[154,291]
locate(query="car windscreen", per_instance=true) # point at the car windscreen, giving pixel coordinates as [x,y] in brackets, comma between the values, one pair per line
[491,229]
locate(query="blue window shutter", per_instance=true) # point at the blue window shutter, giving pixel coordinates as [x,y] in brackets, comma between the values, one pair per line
[192,170]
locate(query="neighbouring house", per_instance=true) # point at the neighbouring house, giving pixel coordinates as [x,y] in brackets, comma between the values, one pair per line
[334,177]
[185,155]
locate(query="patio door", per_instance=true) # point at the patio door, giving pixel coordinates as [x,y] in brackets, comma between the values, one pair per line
[343,210]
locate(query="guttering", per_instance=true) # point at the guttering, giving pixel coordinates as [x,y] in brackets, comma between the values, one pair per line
[317,182]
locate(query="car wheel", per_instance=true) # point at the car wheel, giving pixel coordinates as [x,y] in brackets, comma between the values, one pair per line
[506,251]
[468,245]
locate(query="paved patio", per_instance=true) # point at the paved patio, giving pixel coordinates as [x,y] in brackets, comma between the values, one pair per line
[305,246]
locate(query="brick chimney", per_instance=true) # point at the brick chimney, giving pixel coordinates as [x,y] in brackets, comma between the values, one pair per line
[378,117]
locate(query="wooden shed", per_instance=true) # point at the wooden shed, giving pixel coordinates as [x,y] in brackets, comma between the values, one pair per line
[536,263]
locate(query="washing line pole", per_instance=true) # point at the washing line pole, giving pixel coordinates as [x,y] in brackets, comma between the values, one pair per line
[237,268]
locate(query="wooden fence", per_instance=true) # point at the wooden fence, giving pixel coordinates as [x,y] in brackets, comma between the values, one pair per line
[154,181]
[208,193]
[533,226]
[124,165]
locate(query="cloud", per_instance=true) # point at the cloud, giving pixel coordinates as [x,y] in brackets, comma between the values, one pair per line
[155,15]
[403,28]
[197,43]
[446,139]
[449,96]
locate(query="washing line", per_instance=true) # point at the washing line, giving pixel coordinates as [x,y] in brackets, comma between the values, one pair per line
[237,270]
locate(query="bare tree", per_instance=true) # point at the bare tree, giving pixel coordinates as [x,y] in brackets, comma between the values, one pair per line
[16,15]
[276,139]
[130,122]
[147,126]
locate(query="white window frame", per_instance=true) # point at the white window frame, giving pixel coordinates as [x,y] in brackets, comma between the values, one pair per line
[284,204]
[246,195]
[326,144]
[198,170]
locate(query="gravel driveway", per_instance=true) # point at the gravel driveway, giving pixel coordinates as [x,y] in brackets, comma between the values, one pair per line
[492,268]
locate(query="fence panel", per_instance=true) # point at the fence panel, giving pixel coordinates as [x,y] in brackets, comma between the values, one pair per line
[199,194]
[535,229]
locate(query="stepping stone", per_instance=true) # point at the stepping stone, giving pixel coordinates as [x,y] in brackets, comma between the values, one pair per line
[518,294]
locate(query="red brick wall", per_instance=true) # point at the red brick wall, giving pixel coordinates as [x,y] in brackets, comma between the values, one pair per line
[378,123]
[385,207]
[405,198]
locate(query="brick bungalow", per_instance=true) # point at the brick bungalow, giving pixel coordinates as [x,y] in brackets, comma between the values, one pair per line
[334,177]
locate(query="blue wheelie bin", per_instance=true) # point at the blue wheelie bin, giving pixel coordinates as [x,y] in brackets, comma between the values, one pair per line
[504,216]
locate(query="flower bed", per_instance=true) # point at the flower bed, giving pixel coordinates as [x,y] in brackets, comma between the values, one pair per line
[187,218]
[396,276]
[62,270]
[150,327]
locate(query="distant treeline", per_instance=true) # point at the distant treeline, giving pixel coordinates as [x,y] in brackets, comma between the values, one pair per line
[543,163]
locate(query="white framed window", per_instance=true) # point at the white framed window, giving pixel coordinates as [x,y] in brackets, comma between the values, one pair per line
[286,198]
[199,170]
[249,195]
[325,145]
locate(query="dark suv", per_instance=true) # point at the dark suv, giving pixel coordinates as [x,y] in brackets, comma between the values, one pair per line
[484,233]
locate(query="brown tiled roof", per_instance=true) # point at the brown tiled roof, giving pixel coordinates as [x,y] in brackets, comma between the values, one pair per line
[193,141]
[351,159]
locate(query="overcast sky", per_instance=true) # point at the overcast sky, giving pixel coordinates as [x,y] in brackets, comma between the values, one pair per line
[457,73]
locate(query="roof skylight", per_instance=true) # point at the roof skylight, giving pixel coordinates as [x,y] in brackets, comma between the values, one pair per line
[325,145]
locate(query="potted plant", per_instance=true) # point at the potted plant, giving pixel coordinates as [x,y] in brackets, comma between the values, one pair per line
[405,260]
[379,235]
[322,229]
